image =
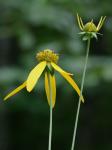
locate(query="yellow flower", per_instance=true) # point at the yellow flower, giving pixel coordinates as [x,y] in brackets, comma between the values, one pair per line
[90,28]
[47,64]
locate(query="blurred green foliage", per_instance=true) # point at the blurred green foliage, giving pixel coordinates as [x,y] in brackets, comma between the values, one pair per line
[28,26]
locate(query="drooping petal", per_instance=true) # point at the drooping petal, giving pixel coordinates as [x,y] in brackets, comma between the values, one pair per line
[34,75]
[56,67]
[50,82]
[15,91]
[47,87]
[71,82]
[53,88]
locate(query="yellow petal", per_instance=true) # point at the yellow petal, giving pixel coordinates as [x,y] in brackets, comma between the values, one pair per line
[47,87]
[34,75]
[102,22]
[16,90]
[53,88]
[99,23]
[71,82]
[50,82]
[56,67]
[79,22]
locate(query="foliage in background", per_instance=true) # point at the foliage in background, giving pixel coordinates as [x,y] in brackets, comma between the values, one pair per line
[27,27]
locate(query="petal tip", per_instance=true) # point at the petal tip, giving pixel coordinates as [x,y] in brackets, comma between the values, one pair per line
[28,89]
[5,98]
[82,99]
[52,106]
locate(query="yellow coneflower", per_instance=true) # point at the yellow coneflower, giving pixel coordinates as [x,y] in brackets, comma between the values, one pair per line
[47,65]
[90,28]
[88,31]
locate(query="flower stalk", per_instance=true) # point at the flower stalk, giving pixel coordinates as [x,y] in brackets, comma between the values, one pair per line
[50,123]
[79,102]
[88,31]
[47,65]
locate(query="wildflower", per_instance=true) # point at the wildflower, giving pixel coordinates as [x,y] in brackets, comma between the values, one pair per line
[90,29]
[47,64]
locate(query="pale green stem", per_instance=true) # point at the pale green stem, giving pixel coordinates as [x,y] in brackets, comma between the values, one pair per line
[50,123]
[79,103]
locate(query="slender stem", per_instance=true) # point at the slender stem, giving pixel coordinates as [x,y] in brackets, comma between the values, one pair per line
[50,123]
[79,103]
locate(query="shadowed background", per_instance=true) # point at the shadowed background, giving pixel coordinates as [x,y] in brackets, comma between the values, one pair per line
[28,26]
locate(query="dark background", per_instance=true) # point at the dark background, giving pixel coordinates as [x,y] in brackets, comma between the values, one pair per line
[28,26]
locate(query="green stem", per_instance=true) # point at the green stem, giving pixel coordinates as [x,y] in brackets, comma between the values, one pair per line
[50,123]
[79,103]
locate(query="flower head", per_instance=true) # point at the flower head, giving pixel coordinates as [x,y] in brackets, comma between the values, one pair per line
[90,29]
[47,55]
[47,64]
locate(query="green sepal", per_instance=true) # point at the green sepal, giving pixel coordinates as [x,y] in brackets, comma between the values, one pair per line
[88,35]
[85,38]
[49,69]
[94,35]
[82,33]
